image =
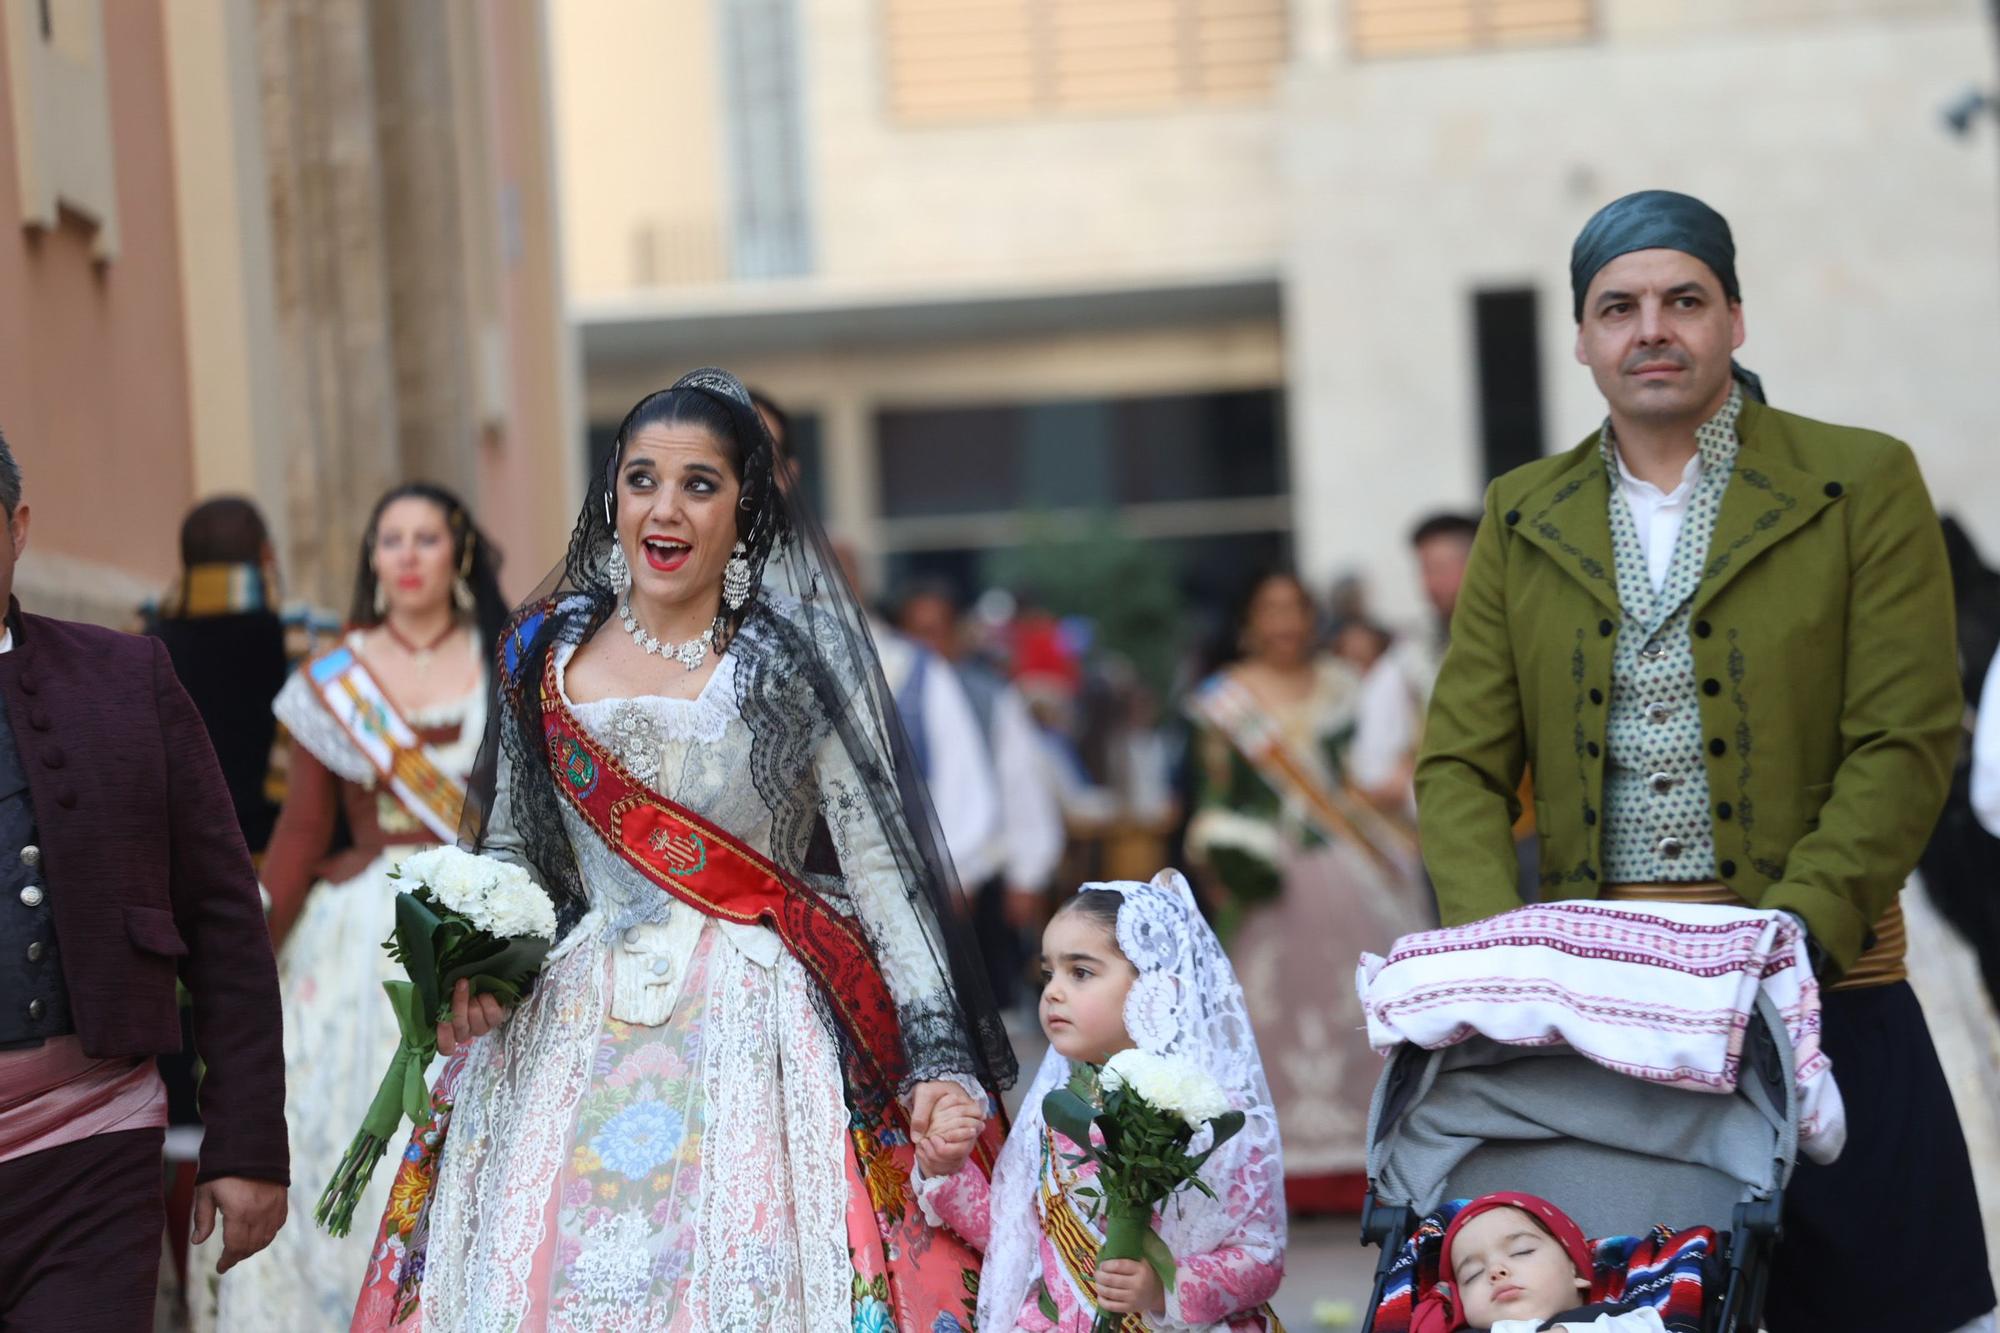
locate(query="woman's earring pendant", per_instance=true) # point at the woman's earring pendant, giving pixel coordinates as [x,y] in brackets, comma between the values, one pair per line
[616,569]
[381,599]
[736,578]
[461,594]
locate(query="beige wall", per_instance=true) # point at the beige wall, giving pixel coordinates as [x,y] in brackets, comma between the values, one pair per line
[236,392]
[1868,239]
[1148,195]
[93,356]
[639,131]
[1063,197]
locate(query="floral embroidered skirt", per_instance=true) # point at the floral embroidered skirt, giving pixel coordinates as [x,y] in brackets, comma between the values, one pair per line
[705,1173]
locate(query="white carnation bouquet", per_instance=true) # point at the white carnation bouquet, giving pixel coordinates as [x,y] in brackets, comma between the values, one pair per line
[468,918]
[1161,1117]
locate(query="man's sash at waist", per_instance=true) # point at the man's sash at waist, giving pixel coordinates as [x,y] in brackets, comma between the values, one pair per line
[686,856]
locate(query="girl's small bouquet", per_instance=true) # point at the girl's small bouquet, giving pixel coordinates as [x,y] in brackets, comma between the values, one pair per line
[1160,1118]
[468,918]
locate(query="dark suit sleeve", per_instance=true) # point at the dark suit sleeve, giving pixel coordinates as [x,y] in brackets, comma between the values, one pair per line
[229,969]
[1475,749]
[1899,720]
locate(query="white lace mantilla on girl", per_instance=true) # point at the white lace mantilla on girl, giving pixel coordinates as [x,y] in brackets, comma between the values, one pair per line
[1230,1251]
[658,1138]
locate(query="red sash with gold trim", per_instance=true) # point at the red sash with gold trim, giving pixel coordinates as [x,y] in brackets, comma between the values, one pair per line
[712,872]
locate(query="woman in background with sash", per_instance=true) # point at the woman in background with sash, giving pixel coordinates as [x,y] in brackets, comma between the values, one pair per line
[1304,875]
[385,728]
[701,1117]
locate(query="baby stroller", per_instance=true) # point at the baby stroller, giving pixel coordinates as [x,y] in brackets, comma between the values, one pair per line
[1616,1153]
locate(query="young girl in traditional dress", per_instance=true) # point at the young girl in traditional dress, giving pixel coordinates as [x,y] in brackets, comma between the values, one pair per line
[1127,965]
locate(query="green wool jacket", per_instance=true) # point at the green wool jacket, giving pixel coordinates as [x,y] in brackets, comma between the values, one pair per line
[1824,663]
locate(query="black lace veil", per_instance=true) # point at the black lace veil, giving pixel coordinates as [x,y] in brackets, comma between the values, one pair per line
[805,672]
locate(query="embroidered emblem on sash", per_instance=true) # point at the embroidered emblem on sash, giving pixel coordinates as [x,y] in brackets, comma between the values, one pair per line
[579,770]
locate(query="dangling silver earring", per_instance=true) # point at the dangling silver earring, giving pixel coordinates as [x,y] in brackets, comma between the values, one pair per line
[616,569]
[461,593]
[736,578]
[607,508]
[381,599]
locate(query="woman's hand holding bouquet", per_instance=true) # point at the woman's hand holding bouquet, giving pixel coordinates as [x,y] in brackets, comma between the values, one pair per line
[472,935]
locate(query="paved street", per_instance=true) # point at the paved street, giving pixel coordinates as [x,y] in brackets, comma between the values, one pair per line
[1327,1266]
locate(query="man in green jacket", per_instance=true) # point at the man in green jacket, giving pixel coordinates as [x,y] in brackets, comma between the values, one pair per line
[1720,635]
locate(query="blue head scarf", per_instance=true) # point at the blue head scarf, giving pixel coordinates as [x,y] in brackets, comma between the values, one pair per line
[1658,220]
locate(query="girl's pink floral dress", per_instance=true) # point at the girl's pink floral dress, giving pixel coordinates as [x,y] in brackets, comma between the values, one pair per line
[1226,1288]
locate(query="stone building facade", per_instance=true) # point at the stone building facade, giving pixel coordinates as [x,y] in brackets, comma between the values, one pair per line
[309,253]
[962,229]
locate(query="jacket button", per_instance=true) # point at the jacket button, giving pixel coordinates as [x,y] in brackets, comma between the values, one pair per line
[36,950]
[1592,748]
[32,896]
[1711,687]
[1513,517]
[1717,748]
[1669,847]
[1725,810]
[31,856]
[28,685]
[36,1008]
[38,718]
[66,799]
[1590,817]
[1702,629]
[1728,869]
[1833,490]
[1597,696]
[1604,628]
[1661,782]
[53,757]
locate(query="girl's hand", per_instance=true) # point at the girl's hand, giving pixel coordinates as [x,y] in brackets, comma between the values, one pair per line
[943,1106]
[1130,1286]
[953,1132]
[470,1017]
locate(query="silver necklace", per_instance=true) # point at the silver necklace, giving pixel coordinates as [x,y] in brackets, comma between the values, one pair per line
[690,654]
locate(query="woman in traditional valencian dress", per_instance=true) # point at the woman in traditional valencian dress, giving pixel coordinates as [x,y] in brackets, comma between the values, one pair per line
[385,728]
[1308,875]
[700,1117]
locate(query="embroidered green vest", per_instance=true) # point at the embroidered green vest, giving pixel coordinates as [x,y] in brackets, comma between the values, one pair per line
[1657,826]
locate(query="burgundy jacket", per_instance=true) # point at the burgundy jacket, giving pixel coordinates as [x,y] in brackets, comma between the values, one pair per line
[148,876]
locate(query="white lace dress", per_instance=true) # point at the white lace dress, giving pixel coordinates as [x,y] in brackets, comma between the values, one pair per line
[340,1032]
[658,1137]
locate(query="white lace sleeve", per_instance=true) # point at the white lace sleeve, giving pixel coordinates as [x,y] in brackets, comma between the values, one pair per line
[310,725]
[904,937]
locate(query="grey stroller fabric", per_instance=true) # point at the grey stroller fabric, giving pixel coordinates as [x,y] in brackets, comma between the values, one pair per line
[1618,1153]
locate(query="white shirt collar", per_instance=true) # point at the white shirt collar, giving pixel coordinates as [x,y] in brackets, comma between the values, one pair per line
[1689,476]
[7,639]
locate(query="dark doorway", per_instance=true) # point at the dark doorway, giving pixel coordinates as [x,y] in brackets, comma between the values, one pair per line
[1505,338]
